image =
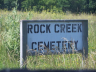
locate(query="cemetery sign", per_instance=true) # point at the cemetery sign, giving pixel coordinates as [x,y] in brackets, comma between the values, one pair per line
[52,37]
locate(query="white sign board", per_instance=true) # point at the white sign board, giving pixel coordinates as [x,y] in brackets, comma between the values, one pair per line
[53,36]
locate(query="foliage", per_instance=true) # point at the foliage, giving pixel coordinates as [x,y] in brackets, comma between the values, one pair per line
[10,42]
[9,4]
[11,36]
[76,6]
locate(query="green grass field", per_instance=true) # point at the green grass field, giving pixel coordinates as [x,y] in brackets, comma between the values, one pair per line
[10,42]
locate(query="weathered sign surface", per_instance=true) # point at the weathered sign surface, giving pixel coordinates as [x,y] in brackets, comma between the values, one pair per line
[53,36]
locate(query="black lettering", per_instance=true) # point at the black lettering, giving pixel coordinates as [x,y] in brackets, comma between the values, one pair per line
[30,28]
[74,27]
[35,44]
[46,45]
[39,44]
[36,28]
[69,44]
[76,44]
[56,31]
[62,26]
[58,44]
[68,27]
[41,28]
[79,27]
[64,44]
[51,44]
[48,28]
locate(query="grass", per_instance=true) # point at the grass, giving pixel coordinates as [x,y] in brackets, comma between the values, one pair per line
[10,42]
[54,62]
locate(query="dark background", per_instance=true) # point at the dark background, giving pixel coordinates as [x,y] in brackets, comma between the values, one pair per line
[74,6]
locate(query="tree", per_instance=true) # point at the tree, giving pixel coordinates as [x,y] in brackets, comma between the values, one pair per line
[9,4]
[28,4]
[19,4]
[77,5]
[1,4]
[92,6]
[63,5]
[74,6]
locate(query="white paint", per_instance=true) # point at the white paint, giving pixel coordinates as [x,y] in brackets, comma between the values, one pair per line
[21,45]
[45,37]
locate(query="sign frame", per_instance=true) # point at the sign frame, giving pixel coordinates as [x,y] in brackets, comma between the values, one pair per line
[23,37]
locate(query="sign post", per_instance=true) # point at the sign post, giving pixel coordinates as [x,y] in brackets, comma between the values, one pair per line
[52,37]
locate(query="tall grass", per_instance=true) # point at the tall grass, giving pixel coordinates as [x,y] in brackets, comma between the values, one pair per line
[10,42]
